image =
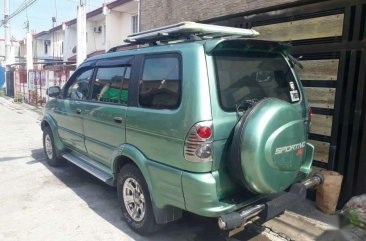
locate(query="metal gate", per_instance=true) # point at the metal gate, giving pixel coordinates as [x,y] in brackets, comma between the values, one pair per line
[330,38]
[10,83]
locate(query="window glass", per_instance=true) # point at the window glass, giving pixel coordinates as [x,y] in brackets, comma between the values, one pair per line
[160,83]
[134,24]
[110,85]
[253,75]
[79,89]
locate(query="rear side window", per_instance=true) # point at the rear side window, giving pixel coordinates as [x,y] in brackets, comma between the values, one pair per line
[160,83]
[252,75]
[111,84]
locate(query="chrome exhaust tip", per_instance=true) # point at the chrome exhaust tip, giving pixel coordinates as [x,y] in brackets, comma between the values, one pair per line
[313,181]
[235,219]
[221,223]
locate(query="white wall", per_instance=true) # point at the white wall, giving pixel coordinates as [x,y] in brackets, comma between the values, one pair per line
[95,41]
[14,50]
[57,39]
[39,49]
[119,26]
[126,24]
[113,30]
[70,41]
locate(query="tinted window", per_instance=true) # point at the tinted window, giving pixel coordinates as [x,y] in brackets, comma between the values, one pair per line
[79,88]
[160,83]
[253,75]
[111,84]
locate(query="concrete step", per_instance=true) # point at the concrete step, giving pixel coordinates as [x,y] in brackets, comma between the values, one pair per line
[304,222]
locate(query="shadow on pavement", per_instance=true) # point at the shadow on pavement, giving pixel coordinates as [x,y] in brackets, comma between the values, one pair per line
[102,199]
[5,159]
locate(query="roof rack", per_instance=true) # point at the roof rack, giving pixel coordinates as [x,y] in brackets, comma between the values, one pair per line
[187,31]
[122,47]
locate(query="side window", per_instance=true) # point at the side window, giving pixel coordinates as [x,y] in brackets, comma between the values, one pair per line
[79,88]
[111,84]
[160,82]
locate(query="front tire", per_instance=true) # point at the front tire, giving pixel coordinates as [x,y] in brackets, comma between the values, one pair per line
[53,156]
[135,201]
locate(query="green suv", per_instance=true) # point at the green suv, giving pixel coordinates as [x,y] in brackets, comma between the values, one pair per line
[216,126]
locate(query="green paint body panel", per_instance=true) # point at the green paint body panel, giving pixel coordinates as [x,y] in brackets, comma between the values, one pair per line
[51,122]
[154,139]
[163,181]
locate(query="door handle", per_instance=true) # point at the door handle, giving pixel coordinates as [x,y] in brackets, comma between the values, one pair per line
[118,119]
[78,111]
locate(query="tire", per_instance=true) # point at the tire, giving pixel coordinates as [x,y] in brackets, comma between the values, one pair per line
[52,154]
[132,185]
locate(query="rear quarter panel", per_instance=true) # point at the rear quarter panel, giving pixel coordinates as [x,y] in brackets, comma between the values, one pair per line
[160,134]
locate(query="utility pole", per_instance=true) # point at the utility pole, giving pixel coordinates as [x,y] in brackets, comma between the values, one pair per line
[81,34]
[7,32]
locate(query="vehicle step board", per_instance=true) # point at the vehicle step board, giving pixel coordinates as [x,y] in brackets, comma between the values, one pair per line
[82,163]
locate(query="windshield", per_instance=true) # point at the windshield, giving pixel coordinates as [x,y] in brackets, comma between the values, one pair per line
[252,75]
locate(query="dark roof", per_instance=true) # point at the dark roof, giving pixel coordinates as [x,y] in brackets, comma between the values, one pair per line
[71,22]
[72,58]
[59,27]
[94,12]
[40,34]
[117,3]
[98,52]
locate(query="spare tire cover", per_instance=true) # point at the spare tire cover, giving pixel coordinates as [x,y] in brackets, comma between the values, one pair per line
[268,146]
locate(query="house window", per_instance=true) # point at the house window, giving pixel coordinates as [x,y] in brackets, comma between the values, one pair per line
[62,47]
[135,23]
[46,46]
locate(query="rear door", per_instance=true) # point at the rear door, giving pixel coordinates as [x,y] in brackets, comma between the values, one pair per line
[105,112]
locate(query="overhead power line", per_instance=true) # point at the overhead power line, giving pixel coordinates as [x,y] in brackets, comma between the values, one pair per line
[20,9]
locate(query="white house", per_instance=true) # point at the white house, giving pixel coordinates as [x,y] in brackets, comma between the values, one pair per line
[57,37]
[42,46]
[15,51]
[106,27]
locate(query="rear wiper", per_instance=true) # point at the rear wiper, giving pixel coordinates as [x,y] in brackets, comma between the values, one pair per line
[294,61]
[244,105]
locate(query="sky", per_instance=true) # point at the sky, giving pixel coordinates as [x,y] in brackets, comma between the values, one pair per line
[40,14]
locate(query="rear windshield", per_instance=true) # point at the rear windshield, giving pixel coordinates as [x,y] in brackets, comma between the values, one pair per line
[251,75]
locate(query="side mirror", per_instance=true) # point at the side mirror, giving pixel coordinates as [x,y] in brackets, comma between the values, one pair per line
[53,91]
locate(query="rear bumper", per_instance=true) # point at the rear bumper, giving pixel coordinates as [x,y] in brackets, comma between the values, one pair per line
[201,191]
[272,208]
[201,195]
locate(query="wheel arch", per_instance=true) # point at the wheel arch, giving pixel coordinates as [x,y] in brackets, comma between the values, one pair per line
[48,121]
[129,154]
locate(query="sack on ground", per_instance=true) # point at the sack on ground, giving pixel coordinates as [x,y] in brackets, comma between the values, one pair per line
[328,193]
[355,211]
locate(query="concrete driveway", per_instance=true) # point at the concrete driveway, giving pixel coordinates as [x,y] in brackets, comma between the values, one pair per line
[39,202]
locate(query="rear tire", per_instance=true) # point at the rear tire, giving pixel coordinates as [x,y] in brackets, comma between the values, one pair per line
[52,154]
[135,201]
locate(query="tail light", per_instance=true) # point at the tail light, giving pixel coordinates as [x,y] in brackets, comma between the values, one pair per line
[198,143]
[311,114]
